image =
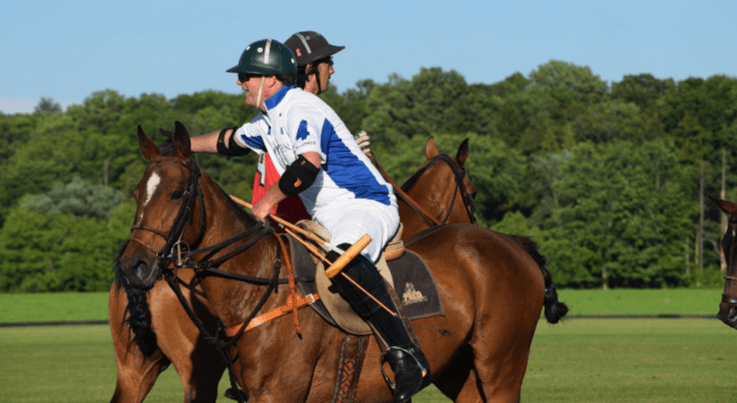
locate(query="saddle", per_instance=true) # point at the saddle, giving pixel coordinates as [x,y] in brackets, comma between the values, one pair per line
[408,279]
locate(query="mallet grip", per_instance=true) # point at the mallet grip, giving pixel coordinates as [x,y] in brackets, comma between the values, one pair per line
[347,256]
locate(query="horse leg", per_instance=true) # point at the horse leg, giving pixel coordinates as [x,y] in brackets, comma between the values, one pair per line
[139,363]
[198,362]
[458,381]
[501,351]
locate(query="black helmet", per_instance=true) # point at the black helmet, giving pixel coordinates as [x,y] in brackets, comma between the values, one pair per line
[266,57]
[310,46]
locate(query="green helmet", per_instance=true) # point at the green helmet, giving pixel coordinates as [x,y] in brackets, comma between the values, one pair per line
[266,57]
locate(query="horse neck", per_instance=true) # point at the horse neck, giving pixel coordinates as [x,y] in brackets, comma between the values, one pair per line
[224,218]
[232,300]
[434,191]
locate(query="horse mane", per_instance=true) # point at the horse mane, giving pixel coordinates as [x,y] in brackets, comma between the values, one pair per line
[554,309]
[137,314]
[411,181]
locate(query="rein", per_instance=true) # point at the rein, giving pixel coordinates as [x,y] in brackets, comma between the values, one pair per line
[458,173]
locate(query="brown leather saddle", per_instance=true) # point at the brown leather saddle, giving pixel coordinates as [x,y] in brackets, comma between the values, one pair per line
[406,274]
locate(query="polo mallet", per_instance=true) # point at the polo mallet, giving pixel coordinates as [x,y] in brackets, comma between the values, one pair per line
[345,256]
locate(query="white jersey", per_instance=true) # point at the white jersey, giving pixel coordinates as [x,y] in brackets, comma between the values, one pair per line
[299,122]
[349,196]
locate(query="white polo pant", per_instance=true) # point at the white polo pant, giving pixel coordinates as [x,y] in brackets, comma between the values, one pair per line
[350,220]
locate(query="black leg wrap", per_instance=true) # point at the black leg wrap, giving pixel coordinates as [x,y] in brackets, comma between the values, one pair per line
[404,357]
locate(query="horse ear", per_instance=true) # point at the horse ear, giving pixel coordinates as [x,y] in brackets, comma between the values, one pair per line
[727,207]
[462,154]
[431,149]
[180,138]
[149,149]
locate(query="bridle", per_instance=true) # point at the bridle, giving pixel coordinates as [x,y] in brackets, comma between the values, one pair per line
[459,174]
[171,258]
[184,216]
[172,254]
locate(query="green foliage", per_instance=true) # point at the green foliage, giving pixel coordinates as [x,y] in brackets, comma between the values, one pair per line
[77,198]
[44,252]
[47,106]
[608,179]
[426,105]
[621,217]
[643,90]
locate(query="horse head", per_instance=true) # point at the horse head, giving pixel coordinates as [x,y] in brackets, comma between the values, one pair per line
[166,218]
[728,306]
[429,187]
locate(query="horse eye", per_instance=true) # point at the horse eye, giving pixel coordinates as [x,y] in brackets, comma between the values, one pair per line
[177,194]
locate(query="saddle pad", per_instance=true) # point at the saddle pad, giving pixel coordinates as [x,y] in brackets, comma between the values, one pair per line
[416,287]
[413,282]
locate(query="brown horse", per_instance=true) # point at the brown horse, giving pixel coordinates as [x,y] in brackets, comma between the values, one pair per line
[147,340]
[442,181]
[492,288]
[728,306]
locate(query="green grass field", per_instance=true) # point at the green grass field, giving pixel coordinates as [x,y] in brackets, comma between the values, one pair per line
[15,308]
[579,360]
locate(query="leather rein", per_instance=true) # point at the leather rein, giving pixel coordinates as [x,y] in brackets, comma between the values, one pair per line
[458,173]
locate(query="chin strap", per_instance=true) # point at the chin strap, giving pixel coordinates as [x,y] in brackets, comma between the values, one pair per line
[317,79]
[260,92]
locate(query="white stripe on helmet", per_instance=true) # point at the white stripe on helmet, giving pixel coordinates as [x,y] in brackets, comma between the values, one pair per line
[304,42]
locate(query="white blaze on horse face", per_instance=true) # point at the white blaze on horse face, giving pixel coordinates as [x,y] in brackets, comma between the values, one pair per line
[151,185]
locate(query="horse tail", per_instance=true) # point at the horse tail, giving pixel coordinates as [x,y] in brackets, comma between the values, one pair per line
[554,309]
[138,315]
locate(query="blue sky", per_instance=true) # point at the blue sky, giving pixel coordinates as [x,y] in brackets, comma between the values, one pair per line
[68,50]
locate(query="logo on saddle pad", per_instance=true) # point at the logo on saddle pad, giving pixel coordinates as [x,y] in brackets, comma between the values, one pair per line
[412,296]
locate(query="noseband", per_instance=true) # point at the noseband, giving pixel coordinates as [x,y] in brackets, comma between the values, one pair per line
[184,216]
[459,175]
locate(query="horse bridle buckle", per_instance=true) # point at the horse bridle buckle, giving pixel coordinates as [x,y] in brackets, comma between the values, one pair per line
[175,254]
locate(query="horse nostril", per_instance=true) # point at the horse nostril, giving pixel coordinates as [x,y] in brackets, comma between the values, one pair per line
[139,268]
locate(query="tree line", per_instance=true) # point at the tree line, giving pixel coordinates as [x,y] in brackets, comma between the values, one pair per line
[610,180]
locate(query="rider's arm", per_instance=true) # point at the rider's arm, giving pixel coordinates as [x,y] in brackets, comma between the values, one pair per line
[218,142]
[298,177]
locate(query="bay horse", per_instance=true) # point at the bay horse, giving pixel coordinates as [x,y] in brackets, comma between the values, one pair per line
[149,338]
[728,306]
[499,357]
[429,188]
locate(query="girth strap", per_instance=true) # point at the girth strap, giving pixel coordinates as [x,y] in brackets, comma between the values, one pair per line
[292,305]
[294,302]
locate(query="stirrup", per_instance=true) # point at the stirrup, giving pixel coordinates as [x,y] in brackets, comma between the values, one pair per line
[408,352]
[230,394]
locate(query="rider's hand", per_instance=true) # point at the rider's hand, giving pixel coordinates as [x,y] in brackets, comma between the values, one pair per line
[363,141]
[261,211]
